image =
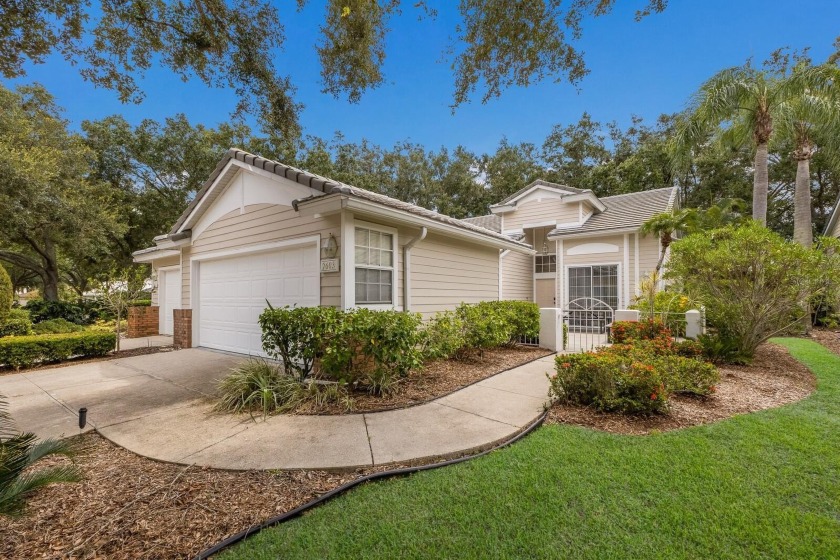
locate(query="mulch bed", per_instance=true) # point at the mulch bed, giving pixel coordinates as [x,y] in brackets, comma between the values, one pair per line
[434,380]
[75,361]
[828,338]
[773,379]
[131,507]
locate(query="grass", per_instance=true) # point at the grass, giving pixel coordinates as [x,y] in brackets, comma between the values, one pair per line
[763,485]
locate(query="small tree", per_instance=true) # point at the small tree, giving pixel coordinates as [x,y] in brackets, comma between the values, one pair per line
[121,289]
[751,280]
[18,453]
[7,294]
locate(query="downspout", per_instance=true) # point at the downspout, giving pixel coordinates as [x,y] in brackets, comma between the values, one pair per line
[407,267]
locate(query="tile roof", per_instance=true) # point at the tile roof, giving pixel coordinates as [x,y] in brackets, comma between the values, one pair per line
[330,186]
[625,211]
[490,221]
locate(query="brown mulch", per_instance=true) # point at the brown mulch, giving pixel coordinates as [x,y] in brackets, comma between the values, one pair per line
[434,380]
[131,507]
[828,338]
[75,361]
[773,379]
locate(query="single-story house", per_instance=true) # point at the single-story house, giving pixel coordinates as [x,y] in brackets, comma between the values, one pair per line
[259,230]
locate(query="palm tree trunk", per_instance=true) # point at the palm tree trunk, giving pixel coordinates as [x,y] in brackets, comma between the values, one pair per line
[760,184]
[802,229]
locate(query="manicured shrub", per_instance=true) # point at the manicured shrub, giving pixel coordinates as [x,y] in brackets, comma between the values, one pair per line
[361,347]
[522,318]
[442,336]
[7,294]
[76,312]
[752,282]
[140,303]
[609,382]
[484,326]
[17,323]
[687,375]
[646,329]
[56,326]
[22,351]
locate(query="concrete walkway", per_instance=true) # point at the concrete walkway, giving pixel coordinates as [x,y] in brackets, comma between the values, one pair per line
[145,341]
[149,405]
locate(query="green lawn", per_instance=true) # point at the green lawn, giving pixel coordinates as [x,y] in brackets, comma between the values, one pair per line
[764,485]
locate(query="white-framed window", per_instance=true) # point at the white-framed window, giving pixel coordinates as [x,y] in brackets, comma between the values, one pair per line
[375,259]
[545,263]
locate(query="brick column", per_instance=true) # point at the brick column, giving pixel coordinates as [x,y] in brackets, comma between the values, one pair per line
[142,321]
[183,328]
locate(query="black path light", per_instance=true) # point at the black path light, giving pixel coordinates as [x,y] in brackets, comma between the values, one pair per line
[82,418]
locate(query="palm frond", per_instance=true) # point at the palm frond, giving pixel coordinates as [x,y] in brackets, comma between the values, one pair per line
[13,496]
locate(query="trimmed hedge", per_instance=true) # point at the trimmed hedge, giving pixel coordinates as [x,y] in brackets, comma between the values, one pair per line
[16,324]
[23,351]
[56,326]
[646,329]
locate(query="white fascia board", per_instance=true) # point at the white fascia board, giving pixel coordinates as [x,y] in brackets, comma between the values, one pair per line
[502,209]
[155,255]
[589,197]
[323,205]
[378,211]
[594,233]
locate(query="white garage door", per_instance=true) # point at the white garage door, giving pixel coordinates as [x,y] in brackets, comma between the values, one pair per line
[233,292]
[170,299]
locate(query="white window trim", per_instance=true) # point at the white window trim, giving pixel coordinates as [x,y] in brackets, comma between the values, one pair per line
[619,280]
[351,289]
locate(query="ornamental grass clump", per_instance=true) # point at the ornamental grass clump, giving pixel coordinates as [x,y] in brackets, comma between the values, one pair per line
[258,386]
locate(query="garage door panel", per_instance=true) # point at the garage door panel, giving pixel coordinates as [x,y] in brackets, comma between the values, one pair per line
[233,294]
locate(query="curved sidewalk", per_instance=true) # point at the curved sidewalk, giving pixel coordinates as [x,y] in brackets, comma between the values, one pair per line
[473,417]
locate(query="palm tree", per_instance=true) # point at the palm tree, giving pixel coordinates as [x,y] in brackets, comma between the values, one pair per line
[19,452]
[745,100]
[811,113]
[664,226]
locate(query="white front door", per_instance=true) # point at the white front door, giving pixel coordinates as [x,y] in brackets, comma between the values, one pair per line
[169,284]
[232,293]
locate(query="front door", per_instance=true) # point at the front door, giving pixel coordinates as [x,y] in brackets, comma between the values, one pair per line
[546,293]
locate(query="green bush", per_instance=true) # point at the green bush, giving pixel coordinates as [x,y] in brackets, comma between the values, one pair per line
[752,282]
[522,318]
[7,294]
[719,348]
[610,383]
[646,329]
[442,336]
[140,303]
[372,348]
[17,324]
[82,312]
[687,375]
[56,326]
[257,385]
[485,326]
[23,351]
[360,347]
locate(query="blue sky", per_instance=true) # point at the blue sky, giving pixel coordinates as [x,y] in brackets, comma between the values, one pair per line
[644,68]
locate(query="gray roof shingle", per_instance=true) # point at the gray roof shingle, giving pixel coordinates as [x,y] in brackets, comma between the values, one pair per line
[625,211]
[490,221]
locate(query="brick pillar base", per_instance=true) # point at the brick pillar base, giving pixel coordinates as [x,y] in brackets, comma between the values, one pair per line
[183,328]
[142,321]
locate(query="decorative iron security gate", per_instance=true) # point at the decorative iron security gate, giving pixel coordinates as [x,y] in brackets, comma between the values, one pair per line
[586,322]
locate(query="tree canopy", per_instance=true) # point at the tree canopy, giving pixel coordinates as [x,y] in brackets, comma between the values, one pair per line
[234,44]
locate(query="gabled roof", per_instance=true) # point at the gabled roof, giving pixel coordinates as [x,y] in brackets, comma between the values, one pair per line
[539,183]
[624,211]
[329,187]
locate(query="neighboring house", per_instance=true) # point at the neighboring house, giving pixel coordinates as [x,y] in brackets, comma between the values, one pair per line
[832,228]
[586,247]
[259,231]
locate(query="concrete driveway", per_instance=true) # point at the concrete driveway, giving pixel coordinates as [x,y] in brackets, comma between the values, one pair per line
[157,406]
[47,401]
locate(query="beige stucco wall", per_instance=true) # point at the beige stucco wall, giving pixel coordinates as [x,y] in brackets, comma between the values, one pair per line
[446,272]
[259,224]
[551,210]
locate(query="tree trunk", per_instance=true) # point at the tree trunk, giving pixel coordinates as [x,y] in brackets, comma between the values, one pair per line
[50,279]
[802,229]
[760,184]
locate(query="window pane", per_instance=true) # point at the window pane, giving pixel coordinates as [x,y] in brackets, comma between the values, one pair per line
[362,237]
[386,258]
[385,241]
[360,293]
[385,276]
[362,255]
[386,293]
